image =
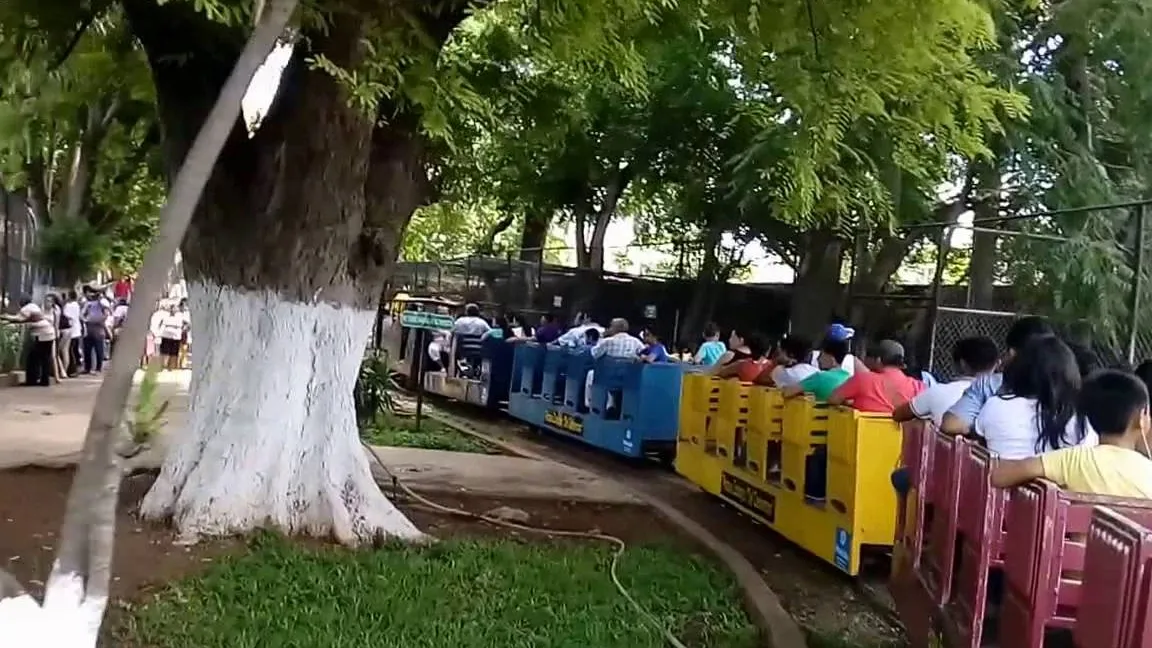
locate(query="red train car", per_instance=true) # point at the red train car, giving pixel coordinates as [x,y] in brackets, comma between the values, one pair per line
[1035,566]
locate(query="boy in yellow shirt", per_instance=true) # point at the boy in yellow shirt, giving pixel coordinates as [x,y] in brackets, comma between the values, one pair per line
[1115,404]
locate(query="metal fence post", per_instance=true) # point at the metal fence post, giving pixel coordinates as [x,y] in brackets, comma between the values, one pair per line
[1137,285]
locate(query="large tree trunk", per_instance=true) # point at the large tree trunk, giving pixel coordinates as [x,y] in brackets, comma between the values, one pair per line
[295,238]
[982,265]
[816,292]
[76,591]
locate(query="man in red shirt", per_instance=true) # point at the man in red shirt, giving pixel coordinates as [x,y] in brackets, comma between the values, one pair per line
[882,389]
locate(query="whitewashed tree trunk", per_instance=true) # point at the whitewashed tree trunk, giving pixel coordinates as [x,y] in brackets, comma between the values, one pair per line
[272,438]
[76,593]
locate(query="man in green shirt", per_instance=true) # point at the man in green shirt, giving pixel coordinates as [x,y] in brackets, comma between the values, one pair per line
[823,383]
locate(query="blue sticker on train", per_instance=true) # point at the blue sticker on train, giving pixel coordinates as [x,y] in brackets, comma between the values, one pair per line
[843,553]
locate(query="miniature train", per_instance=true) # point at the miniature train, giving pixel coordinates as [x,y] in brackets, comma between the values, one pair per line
[1050,560]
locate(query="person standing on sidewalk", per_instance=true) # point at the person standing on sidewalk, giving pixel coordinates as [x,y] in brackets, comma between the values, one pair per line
[97,310]
[72,336]
[38,368]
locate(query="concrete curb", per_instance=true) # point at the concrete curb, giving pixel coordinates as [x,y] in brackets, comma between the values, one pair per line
[761,603]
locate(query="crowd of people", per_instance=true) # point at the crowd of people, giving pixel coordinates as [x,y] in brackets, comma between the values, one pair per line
[1046,407]
[73,333]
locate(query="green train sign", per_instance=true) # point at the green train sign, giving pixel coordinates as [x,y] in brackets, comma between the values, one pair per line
[426,320]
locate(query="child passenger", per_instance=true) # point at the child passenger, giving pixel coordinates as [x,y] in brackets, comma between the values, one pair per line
[1116,406]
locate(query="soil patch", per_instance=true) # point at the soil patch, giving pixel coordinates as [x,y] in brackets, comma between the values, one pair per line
[32,507]
[32,502]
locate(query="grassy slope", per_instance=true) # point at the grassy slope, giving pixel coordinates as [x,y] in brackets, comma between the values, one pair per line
[458,594]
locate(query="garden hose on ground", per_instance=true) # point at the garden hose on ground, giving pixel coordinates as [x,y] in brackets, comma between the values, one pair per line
[620,546]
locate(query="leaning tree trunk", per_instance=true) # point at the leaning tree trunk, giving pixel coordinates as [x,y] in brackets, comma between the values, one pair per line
[284,262]
[76,592]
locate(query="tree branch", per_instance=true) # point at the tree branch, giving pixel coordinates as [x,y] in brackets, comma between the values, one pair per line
[63,56]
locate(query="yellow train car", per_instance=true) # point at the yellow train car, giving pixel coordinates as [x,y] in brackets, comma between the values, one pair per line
[817,475]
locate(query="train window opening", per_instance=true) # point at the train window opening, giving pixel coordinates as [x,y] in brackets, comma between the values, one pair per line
[740,447]
[616,399]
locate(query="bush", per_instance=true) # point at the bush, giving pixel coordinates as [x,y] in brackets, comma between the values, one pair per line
[72,249]
[11,344]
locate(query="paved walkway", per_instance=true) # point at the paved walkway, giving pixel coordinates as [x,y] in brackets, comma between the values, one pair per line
[46,426]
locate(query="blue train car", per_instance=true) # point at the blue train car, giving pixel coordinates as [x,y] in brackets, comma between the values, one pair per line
[492,390]
[631,408]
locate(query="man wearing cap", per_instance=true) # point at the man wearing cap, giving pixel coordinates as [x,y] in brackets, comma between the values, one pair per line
[882,389]
[838,333]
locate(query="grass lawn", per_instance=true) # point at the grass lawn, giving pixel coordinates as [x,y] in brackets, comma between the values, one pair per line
[457,594]
[389,430]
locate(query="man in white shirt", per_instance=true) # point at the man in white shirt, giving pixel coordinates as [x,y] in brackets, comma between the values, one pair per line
[471,323]
[616,343]
[973,357]
[38,368]
[171,327]
[790,358]
[576,335]
[74,333]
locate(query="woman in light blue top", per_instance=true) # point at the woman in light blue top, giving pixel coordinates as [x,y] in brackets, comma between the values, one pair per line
[713,349]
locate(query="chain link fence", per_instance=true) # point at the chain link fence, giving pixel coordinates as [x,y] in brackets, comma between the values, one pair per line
[955,324]
[533,288]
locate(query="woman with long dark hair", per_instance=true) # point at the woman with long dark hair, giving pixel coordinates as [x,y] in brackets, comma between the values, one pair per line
[1035,409]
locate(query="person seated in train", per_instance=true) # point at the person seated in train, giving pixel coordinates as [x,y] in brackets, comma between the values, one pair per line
[712,349]
[884,386]
[962,416]
[438,351]
[838,331]
[1115,404]
[616,342]
[790,358]
[1035,409]
[574,336]
[831,375]
[653,350]
[549,329]
[501,329]
[521,329]
[739,353]
[470,323]
[973,357]
[591,338]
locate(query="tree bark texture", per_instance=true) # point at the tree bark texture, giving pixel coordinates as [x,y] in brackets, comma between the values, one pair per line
[816,292]
[296,235]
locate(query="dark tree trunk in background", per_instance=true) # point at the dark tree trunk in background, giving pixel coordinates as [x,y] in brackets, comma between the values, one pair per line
[534,236]
[982,265]
[293,241]
[816,292]
[704,292]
